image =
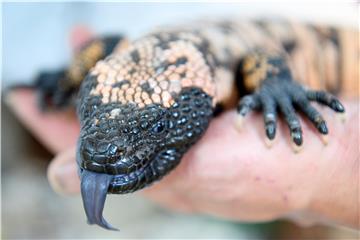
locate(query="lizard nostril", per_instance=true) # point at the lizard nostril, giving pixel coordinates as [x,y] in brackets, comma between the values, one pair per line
[113,149]
[116,151]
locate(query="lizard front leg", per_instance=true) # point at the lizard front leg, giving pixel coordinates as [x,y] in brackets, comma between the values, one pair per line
[273,89]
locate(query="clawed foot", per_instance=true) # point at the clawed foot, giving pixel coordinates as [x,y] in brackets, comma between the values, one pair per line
[53,91]
[283,95]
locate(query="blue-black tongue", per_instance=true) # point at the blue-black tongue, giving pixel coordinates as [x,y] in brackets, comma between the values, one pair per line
[94,187]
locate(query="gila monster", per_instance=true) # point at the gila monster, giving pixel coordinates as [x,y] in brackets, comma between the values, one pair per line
[143,104]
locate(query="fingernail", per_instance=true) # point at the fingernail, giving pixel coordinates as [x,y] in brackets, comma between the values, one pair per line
[239,121]
[61,178]
[269,142]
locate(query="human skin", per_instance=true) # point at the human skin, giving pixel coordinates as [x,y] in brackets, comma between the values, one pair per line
[232,174]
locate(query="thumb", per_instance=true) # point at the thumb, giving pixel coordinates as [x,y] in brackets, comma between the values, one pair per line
[62,173]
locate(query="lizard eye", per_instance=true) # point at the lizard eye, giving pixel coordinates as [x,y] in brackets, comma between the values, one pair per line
[159,127]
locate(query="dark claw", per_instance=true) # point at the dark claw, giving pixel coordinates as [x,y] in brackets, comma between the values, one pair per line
[323,128]
[271,130]
[337,106]
[296,135]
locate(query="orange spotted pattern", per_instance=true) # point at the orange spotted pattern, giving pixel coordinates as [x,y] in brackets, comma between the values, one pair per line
[156,67]
[145,80]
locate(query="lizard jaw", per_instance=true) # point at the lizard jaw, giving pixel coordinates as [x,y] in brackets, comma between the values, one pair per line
[94,188]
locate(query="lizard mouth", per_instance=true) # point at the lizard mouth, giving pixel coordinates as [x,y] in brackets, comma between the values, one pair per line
[95,186]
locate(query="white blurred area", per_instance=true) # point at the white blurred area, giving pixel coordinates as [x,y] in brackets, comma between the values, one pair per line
[35,35]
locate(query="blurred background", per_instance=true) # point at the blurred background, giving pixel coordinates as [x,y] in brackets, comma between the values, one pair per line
[36,36]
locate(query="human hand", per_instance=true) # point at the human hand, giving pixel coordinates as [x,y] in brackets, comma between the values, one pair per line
[232,174]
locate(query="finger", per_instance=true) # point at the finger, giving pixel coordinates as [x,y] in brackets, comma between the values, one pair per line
[62,173]
[57,131]
[79,35]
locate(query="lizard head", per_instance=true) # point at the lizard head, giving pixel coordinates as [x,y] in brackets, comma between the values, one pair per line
[125,141]
[123,147]
[140,110]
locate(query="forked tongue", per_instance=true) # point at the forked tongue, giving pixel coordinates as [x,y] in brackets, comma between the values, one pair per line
[94,187]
